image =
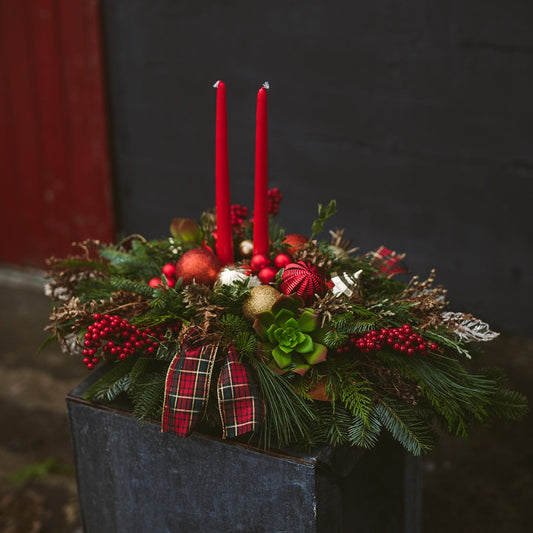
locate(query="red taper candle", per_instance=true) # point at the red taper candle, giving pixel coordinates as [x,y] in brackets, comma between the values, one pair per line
[224,243]
[261,241]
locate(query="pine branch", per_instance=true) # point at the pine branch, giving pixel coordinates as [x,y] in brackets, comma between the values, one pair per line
[365,433]
[410,431]
[287,417]
[137,287]
[147,395]
[112,383]
[357,397]
[508,405]
[453,393]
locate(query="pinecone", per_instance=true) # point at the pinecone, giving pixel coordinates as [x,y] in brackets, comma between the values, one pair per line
[311,254]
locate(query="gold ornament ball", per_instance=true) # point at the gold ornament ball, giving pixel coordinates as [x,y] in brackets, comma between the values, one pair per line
[261,299]
[200,265]
[246,248]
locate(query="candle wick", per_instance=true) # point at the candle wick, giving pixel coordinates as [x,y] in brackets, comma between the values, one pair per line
[266,85]
[217,84]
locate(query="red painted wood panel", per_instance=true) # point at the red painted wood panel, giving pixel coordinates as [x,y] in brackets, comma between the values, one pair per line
[54,157]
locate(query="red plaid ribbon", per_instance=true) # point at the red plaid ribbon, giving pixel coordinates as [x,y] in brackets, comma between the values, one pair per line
[241,407]
[187,388]
[389,262]
[187,391]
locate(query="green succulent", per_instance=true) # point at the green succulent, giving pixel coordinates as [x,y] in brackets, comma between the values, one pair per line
[287,331]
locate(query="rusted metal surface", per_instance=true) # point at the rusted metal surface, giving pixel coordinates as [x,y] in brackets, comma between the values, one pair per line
[54,159]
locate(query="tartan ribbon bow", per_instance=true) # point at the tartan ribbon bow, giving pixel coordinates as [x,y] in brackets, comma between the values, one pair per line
[388,261]
[187,390]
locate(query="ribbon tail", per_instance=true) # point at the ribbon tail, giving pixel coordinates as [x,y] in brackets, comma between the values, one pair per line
[187,389]
[241,407]
[389,262]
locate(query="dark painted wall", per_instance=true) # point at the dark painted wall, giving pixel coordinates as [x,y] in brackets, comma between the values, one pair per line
[416,116]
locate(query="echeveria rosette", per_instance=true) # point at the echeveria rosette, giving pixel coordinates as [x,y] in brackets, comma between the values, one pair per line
[287,331]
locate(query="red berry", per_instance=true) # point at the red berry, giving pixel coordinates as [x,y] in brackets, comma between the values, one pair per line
[267,275]
[282,260]
[169,270]
[434,347]
[90,366]
[156,283]
[259,261]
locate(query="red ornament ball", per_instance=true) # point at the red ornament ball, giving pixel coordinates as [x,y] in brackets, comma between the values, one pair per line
[303,279]
[169,270]
[295,241]
[282,260]
[259,261]
[267,275]
[200,265]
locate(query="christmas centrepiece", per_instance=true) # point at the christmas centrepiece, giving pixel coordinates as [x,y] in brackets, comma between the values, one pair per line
[234,327]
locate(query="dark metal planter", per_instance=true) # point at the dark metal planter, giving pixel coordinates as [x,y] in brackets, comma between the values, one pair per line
[135,478]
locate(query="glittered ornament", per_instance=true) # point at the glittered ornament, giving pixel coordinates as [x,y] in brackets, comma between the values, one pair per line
[303,279]
[267,275]
[200,265]
[260,299]
[295,241]
[246,248]
[231,274]
[259,261]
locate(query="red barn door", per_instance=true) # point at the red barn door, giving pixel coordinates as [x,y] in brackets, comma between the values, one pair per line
[54,157]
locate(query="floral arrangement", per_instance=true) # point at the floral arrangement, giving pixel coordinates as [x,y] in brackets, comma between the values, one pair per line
[312,343]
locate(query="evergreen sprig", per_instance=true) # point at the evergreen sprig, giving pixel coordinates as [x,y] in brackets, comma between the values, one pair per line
[363,391]
[288,417]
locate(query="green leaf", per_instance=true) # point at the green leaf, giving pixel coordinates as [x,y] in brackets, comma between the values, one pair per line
[282,359]
[306,346]
[282,316]
[308,321]
[324,213]
[318,355]
[262,322]
[271,333]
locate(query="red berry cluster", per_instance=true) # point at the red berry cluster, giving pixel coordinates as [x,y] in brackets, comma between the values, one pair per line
[169,270]
[116,336]
[260,264]
[274,199]
[402,340]
[239,213]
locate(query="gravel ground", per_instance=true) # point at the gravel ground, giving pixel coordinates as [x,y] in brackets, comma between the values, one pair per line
[484,484]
